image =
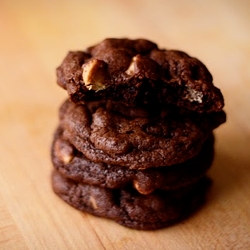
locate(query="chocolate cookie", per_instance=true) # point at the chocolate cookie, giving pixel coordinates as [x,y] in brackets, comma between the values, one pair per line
[134,137]
[137,72]
[74,165]
[129,208]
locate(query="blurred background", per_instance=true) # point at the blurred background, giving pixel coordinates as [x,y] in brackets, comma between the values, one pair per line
[35,37]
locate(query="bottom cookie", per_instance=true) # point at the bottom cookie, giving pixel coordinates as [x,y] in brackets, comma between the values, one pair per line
[130,208]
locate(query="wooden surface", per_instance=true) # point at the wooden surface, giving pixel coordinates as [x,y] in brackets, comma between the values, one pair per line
[35,36]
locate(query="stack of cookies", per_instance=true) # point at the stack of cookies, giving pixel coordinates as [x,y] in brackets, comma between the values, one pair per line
[135,137]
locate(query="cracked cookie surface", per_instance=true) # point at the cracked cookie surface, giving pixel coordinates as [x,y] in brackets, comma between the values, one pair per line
[72,164]
[135,137]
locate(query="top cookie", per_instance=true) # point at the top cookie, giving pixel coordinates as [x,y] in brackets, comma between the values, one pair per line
[137,72]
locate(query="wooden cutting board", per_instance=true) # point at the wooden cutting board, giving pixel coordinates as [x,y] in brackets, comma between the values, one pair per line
[35,36]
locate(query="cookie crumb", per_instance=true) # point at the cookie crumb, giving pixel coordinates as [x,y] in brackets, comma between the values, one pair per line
[194,95]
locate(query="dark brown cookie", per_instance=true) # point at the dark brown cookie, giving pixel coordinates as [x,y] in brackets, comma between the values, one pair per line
[74,165]
[129,208]
[134,138]
[137,72]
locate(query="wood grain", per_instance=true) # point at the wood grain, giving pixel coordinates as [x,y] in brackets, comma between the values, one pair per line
[35,36]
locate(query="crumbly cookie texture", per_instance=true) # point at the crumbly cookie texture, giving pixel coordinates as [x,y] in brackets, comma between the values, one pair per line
[137,72]
[130,208]
[74,165]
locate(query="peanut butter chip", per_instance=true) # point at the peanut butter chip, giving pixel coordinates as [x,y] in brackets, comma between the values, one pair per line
[140,189]
[94,74]
[131,69]
[93,202]
[64,151]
